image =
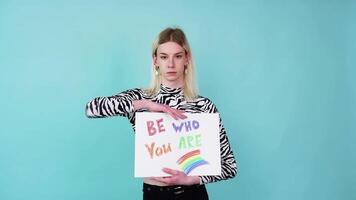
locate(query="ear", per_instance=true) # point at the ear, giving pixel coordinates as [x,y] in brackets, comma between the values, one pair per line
[154,60]
[189,58]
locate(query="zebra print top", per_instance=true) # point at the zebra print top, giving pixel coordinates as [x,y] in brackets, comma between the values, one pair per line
[121,104]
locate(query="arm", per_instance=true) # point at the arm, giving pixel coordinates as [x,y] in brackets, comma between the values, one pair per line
[125,103]
[120,104]
[228,162]
[228,167]
[156,107]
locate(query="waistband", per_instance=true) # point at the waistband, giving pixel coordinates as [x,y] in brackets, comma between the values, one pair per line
[175,189]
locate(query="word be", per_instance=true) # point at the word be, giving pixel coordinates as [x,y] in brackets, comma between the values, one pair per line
[152,130]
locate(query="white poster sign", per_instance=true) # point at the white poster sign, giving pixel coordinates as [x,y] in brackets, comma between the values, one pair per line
[190,145]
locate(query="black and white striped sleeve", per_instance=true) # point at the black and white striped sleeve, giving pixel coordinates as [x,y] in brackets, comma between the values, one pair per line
[228,162]
[120,104]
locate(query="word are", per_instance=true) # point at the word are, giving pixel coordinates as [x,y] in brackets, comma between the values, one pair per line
[189,141]
[158,151]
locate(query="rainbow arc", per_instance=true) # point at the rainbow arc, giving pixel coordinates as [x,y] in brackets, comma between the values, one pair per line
[191,160]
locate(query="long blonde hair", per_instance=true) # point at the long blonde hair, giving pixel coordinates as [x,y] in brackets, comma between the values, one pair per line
[174,35]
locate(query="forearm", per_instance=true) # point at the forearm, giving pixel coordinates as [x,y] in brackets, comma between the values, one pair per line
[107,107]
[228,170]
[120,104]
[228,162]
[140,104]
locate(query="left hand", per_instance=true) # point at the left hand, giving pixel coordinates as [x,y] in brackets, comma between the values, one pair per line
[177,178]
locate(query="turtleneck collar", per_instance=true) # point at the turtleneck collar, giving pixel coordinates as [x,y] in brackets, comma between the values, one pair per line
[167,89]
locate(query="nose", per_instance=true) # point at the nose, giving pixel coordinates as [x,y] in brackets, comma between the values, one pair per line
[170,62]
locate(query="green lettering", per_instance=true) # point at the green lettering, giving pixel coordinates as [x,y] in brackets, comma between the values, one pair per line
[182,143]
[198,140]
[190,138]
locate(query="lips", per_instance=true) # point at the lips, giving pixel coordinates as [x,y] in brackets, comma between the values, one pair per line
[171,73]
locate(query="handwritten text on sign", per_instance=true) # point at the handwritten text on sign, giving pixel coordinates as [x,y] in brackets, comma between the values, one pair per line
[190,145]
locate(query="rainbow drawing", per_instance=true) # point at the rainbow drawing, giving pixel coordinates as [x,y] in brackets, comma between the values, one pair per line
[190,161]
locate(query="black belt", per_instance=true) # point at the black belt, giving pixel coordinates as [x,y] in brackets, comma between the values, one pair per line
[175,189]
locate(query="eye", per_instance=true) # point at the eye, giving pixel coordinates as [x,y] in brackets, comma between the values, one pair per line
[179,56]
[163,57]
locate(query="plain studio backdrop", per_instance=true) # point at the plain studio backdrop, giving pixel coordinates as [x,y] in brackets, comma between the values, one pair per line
[282,74]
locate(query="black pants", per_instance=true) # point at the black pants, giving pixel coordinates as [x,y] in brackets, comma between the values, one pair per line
[194,192]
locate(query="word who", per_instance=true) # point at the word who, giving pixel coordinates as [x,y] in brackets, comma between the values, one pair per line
[188,125]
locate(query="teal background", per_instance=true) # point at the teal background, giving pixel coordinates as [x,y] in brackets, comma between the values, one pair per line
[282,74]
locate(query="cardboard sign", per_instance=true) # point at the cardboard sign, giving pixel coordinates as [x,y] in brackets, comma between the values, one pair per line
[191,145]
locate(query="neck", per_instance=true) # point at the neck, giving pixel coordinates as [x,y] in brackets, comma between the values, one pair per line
[179,84]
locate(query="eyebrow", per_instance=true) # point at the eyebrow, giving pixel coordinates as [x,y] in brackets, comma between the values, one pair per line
[174,54]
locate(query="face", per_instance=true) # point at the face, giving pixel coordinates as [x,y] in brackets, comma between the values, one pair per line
[170,60]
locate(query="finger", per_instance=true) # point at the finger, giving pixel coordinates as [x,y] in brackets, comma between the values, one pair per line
[169,111]
[181,111]
[178,113]
[170,171]
[160,179]
[181,114]
[165,180]
[173,114]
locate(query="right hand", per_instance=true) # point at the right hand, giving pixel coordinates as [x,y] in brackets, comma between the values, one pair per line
[156,107]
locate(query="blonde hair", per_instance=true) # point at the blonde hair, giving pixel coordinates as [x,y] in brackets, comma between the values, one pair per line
[174,35]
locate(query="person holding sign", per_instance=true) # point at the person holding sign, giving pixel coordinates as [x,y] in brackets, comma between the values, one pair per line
[174,92]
